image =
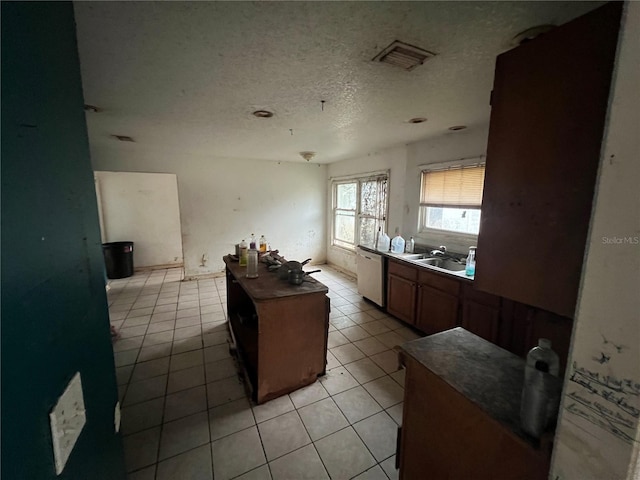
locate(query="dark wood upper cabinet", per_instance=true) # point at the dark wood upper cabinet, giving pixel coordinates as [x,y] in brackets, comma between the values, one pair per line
[549,104]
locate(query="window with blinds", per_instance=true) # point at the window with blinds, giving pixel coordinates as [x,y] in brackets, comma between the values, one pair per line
[450,199]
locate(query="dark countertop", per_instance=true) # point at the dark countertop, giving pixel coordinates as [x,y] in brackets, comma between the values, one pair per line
[268,286]
[489,376]
[402,257]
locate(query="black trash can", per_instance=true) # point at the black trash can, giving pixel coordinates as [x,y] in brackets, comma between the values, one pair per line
[118,258]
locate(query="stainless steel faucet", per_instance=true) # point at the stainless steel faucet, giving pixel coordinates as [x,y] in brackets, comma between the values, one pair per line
[442,250]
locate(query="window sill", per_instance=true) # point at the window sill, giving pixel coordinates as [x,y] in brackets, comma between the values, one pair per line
[344,250]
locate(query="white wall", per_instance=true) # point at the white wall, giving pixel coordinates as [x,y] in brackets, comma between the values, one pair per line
[393,160]
[607,321]
[403,163]
[223,201]
[143,208]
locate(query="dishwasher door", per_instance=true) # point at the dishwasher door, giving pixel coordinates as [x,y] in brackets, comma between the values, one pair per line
[369,267]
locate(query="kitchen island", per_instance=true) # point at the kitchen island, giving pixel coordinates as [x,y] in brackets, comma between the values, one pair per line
[279,330]
[461,416]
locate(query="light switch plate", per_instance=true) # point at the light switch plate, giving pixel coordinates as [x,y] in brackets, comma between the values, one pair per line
[67,420]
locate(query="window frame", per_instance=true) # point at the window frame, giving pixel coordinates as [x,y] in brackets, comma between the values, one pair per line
[382,176]
[422,208]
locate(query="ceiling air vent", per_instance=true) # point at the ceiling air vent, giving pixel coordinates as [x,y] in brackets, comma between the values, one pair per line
[403,55]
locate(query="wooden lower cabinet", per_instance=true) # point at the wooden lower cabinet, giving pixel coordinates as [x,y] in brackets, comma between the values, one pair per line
[401,298]
[434,302]
[437,311]
[481,314]
[526,324]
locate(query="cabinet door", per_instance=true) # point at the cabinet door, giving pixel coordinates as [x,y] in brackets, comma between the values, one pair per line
[483,320]
[401,298]
[437,311]
[525,325]
[548,110]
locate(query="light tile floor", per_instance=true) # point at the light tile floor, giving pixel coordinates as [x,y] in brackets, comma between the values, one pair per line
[185,412]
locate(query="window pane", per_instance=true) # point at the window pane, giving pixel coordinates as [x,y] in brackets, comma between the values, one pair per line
[463,220]
[368,231]
[345,227]
[346,195]
[369,198]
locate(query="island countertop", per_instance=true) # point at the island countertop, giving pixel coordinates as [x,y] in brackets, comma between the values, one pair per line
[268,286]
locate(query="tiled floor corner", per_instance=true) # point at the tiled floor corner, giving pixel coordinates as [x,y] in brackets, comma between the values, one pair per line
[185,410]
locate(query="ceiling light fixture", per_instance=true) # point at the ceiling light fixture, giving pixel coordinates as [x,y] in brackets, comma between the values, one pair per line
[123,138]
[530,33]
[307,155]
[263,114]
[418,120]
[457,128]
[403,55]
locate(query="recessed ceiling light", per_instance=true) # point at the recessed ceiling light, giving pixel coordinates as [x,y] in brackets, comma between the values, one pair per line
[263,114]
[457,128]
[418,120]
[123,138]
[91,108]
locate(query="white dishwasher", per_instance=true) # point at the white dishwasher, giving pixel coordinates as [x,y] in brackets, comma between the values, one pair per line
[370,270]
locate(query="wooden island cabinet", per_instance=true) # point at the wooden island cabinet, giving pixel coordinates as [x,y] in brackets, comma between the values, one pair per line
[279,330]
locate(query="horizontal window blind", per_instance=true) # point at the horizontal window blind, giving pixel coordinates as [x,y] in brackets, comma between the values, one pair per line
[453,187]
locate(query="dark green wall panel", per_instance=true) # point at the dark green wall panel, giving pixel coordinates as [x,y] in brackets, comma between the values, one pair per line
[54,309]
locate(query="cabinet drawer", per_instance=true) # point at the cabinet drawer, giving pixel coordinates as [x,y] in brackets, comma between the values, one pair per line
[402,270]
[434,280]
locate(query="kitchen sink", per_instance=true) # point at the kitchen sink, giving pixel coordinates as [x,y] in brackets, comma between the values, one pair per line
[414,256]
[444,263]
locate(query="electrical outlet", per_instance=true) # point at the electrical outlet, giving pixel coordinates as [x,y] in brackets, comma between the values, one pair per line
[67,420]
[117,416]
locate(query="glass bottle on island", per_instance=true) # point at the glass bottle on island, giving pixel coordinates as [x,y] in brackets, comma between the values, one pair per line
[243,253]
[252,263]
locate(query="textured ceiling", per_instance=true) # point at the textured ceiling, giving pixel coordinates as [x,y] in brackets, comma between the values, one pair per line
[185,76]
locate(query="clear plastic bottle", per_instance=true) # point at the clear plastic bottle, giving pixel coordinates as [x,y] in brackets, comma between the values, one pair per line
[252,243]
[541,390]
[410,246]
[252,263]
[263,243]
[470,268]
[243,253]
